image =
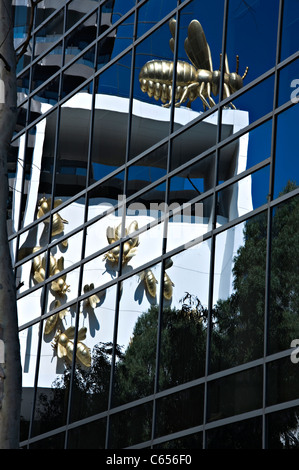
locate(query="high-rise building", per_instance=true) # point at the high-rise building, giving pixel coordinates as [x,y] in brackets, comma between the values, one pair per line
[155,240]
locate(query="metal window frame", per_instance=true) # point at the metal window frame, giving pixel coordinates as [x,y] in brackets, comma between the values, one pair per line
[267,208]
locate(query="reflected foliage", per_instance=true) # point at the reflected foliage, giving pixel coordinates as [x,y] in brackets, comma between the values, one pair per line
[237,337]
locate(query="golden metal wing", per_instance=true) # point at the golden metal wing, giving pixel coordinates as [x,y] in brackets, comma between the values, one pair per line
[197,48]
[172,26]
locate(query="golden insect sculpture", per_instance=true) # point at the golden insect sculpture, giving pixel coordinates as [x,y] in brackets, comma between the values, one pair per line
[64,345]
[55,266]
[44,206]
[168,287]
[113,234]
[93,300]
[150,282]
[52,321]
[197,79]
[59,285]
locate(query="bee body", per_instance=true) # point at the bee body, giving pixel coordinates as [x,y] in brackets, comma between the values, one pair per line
[156,79]
[65,346]
[150,282]
[168,287]
[130,246]
[195,79]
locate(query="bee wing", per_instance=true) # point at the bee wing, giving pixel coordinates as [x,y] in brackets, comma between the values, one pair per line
[60,263]
[172,26]
[110,234]
[38,277]
[197,48]
[61,351]
[94,300]
[57,202]
[70,332]
[82,333]
[118,231]
[55,286]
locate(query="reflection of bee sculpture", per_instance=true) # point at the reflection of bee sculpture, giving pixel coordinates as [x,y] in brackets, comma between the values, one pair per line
[55,267]
[168,287]
[192,81]
[150,282]
[52,321]
[59,285]
[44,206]
[93,300]
[65,346]
[129,248]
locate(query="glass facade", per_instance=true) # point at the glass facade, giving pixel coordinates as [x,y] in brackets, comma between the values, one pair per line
[153,223]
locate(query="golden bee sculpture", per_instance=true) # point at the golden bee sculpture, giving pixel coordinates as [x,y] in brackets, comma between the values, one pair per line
[197,79]
[52,321]
[93,300]
[168,287]
[129,247]
[44,206]
[64,345]
[55,266]
[150,282]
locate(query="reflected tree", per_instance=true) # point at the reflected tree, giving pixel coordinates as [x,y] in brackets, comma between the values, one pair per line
[237,335]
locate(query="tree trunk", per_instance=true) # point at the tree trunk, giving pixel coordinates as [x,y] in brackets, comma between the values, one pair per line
[10,370]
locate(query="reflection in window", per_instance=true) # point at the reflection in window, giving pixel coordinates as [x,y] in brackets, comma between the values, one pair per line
[238,315]
[193,181]
[93,368]
[194,141]
[137,336]
[289,40]
[283,427]
[131,426]
[184,318]
[150,121]
[192,441]
[251,34]
[235,394]
[256,102]
[147,170]
[29,339]
[210,18]
[284,278]
[240,435]
[180,411]
[188,222]
[244,196]
[247,151]
[286,166]
[106,195]
[283,384]
[88,436]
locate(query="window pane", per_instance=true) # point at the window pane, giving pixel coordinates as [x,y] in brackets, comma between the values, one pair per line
[238,316]
[235,394]
[284,286]
[184,319]
[286,167]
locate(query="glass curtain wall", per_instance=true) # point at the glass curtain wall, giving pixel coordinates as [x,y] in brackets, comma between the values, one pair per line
[152,218]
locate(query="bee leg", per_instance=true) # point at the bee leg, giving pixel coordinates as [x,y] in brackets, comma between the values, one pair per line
[211,101]
[200,94]
[186,93]
[226,94]
[167,105]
